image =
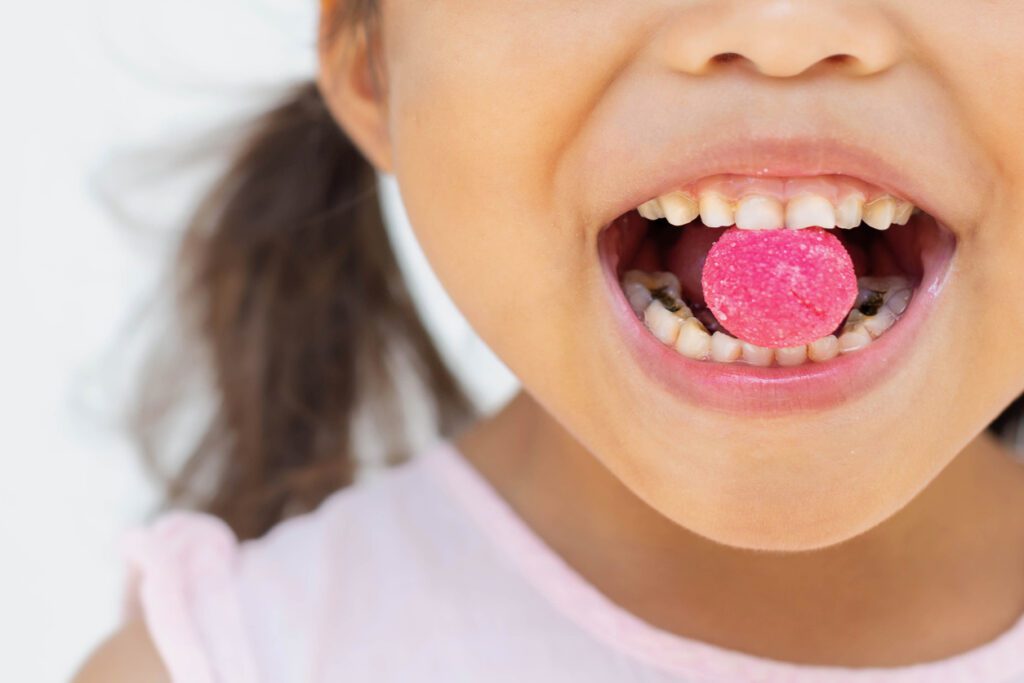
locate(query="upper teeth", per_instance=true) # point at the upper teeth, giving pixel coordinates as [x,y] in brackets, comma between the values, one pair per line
[765,212]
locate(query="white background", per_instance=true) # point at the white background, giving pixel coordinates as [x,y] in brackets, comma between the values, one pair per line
[86,83]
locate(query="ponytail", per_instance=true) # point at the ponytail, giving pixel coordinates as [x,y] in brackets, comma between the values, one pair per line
[290,283]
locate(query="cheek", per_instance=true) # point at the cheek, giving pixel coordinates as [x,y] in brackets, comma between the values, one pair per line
[485,121]
[480,125]
[973,54]
[989,97]
[992,308]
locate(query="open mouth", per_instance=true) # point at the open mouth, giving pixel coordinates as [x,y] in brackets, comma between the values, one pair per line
[658,252]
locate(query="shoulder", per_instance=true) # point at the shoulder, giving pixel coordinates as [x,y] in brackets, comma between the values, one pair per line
[205,604]
[128,656]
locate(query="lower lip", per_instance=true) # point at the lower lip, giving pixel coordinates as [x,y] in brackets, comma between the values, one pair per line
[748,390]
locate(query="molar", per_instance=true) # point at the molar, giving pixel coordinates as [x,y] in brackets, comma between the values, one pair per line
[638,296]
[888,283]
[855,317]
[877,324]
[652,281]
[666,281]
[864,295]
[898,301]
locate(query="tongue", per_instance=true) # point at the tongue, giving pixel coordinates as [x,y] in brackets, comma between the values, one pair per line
[774,288]
[687,256]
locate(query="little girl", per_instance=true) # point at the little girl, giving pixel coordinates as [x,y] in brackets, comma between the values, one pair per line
[757,266]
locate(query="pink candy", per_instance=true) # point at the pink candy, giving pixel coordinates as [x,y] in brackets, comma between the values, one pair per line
[779,288]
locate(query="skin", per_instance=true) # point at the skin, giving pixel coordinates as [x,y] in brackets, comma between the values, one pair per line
[825,537]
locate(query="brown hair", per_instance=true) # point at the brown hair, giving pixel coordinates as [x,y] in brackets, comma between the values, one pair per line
[290,283]
[288,279]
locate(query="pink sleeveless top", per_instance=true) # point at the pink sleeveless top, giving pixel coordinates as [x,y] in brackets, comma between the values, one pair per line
[425,574]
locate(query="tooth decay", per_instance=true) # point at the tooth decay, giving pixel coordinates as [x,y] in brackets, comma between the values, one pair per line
[679,329]
[804,320]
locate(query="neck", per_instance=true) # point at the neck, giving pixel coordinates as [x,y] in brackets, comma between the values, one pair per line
[962,532]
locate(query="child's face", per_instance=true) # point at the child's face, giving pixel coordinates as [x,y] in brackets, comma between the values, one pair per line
[519,131]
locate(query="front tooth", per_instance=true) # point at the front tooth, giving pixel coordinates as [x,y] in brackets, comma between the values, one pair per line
[725,349]
[810,211]
[757,355]
[662,323]
[850,212]
[694,341]
[877,324]
[904,210]
[715,210]
[756,212]
[853,339]
[651,210]
[823,349]
[791,356]
[880,213]
[679,208]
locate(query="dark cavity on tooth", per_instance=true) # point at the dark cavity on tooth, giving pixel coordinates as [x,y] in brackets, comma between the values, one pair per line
[663,296]
[873,304]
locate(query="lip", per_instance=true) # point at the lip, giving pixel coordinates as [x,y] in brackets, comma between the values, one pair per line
[746,390]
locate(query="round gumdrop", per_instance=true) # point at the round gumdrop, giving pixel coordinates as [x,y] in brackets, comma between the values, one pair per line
[779,288]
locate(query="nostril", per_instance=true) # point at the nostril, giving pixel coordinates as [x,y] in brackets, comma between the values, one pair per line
[840,59]
[726,57]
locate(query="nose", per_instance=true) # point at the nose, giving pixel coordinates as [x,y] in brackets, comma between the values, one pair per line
[782,38]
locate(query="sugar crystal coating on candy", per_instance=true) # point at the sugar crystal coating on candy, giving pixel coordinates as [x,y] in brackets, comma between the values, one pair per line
[779,288]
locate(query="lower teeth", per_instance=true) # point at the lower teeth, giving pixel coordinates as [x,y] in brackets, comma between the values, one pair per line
[656,299]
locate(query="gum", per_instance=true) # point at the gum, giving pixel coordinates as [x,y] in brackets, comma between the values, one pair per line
[835,188]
